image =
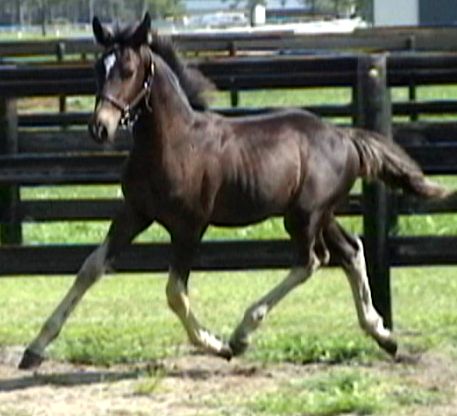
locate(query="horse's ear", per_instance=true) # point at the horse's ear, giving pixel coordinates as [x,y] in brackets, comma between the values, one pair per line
[141,34]
[102,34]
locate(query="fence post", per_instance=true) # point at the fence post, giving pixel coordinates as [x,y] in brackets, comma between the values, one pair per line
[412,91]
[10,227]
[234,95]
[60,52]
[374,113]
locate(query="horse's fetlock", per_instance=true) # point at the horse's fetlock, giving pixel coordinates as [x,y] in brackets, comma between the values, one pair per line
[256,314]
[260,313]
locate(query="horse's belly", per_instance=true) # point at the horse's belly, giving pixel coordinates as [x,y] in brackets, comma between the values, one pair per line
[239,210]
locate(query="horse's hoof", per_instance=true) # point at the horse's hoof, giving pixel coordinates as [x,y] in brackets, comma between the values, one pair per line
[389,345]
[30,360]
[226,353]
[238,346]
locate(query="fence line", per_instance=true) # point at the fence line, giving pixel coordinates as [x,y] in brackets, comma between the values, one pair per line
[34,152]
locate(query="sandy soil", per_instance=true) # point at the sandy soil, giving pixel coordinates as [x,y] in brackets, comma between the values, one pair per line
[183,386]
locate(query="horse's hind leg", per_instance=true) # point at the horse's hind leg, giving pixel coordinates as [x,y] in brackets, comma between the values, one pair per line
[179,303]
[348,250]
[122,230]
[303,231]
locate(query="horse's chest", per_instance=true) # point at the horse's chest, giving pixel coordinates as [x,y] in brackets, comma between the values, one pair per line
[182,194]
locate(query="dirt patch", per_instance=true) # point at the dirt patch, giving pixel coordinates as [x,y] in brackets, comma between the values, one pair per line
[186,385]
[175,386]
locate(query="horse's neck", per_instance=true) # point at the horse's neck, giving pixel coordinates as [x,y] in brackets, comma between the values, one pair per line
[170,104]
[170,114]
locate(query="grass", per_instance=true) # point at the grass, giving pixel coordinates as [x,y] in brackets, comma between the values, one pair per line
[333,393]
[341,391]
[124,319]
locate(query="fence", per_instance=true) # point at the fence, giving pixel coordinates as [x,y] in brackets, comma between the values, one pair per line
[368,40]
[47,149]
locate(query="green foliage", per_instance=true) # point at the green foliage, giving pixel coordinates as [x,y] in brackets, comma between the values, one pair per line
[343,390]
[333,393]
[333,6]
[164,8]
[305,349]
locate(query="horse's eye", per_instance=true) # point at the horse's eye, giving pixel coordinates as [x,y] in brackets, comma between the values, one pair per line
[128,72]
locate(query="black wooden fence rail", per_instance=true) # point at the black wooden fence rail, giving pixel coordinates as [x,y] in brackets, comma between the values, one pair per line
[369,39]
[42,153]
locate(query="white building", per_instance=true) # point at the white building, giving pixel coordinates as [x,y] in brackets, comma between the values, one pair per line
[211,6]
[414,12]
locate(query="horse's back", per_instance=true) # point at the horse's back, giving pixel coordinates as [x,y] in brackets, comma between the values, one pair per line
[266,161]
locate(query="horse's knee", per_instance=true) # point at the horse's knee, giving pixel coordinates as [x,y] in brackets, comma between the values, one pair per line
[94,266]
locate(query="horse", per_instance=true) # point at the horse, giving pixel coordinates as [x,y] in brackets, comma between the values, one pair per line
[190,168]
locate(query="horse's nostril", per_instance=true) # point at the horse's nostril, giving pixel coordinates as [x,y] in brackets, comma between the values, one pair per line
[102,132]
[98,131]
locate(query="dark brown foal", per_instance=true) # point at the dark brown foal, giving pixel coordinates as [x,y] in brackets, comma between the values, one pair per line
[189,169]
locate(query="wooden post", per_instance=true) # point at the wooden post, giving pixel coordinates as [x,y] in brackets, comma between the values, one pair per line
[234,95]
[412,91]
[60,51]
[10,227]
[374,113]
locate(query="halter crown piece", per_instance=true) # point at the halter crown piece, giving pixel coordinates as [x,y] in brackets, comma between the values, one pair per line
[130,111]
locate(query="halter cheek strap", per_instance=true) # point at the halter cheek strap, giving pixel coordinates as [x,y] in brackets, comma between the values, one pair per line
[129,111]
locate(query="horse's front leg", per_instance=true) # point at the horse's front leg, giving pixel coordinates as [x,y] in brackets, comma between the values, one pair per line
[122,230]
[179,302]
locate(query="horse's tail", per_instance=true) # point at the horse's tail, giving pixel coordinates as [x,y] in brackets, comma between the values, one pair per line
[383,159]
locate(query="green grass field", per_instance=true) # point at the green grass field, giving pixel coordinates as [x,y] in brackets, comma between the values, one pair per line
[124,319]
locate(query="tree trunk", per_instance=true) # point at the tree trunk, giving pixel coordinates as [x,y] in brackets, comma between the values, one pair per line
[44,16]
[19,13]
[91,10]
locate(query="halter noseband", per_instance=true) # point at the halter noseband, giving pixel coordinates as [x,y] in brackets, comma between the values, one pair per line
[130,111]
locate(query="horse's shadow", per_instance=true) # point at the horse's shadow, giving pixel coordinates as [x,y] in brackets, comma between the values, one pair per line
[87,377]
[68,379]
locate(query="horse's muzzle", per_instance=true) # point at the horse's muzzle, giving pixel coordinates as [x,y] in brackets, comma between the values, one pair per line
[104,123]
[98,131]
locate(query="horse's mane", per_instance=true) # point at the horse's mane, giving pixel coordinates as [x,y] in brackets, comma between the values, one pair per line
[192,81]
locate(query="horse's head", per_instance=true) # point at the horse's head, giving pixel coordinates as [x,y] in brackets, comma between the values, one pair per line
[124,73]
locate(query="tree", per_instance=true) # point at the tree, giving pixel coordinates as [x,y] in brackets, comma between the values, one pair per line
[164,8]
[335,6]
[249,4]
[43,8]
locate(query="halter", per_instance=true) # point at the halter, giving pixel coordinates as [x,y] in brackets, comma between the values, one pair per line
[130,111]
